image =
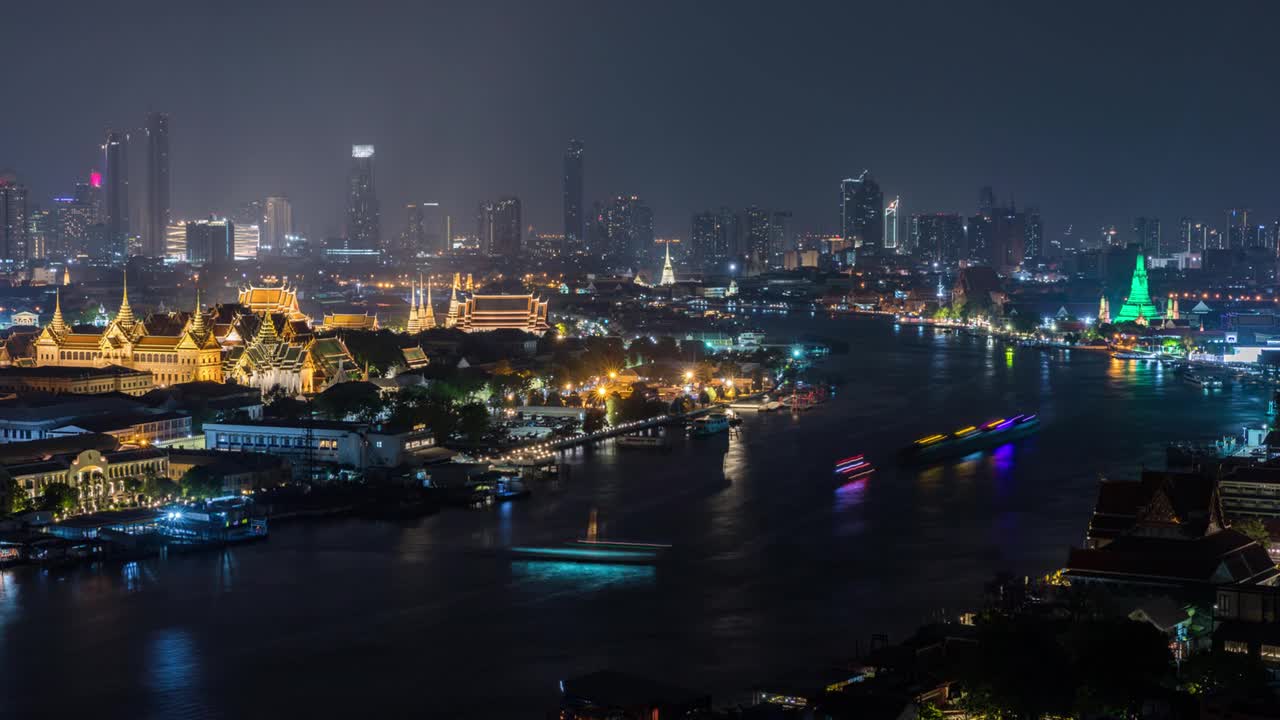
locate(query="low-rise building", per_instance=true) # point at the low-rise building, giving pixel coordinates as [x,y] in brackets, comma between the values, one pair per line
[76,380]
[238,471]
[132,428]
[314,444]
[99,477]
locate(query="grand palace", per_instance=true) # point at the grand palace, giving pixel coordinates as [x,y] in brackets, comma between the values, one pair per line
[263,341]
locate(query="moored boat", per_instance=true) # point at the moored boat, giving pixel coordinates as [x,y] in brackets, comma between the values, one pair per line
[710,424]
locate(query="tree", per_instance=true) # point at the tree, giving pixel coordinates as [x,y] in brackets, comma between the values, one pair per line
[159,487]
[359,399]
[593,421]
[1234,673]
[13,499]
[1255,529]
[613,408]
[473,421]
[201,482]
[59,497]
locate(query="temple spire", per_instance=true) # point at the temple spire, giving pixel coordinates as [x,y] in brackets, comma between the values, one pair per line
[266,329]
[1138,305]
[57,325]
[413,326]
[124,317]
[668,273]
[197,320]
[428,316]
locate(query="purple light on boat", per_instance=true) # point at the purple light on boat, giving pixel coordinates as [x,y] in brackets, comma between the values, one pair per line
[1003,425]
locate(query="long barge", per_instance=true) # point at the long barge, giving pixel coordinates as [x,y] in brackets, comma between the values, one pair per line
[970,439]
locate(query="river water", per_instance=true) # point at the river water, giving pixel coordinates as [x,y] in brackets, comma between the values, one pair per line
[774,568]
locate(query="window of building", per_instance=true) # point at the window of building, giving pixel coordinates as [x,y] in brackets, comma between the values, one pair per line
[1235,646]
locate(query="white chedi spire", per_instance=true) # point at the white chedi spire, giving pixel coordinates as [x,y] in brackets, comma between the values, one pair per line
[668,273]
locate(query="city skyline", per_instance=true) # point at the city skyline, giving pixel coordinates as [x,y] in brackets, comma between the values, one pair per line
[1082,166]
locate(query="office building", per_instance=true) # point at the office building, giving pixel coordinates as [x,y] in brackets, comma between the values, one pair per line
[211,243]
[573,183]
[938,236]
[506,228]
[1146,234]
[1237,228]
[42,232]
[363,218]
[779,236]
[891,227]
[485,227]
[175,240]
[277,222]
[14,220]
[751,244]
[246,239]
[709,238]
[1035,245]
[861,214]
[625,227]
[157,205]
[73,220]
[116,195]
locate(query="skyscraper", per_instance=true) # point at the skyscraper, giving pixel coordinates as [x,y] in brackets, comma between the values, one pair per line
[363,221]
[1237,228]
[246,239]
[573,181]
[861,214]
[116,205]
[277,223]
[779,234]
[626,232]
[1035,245]
[414,239]
[709,238]
[210,243]
[506,228]
[485,230]
[157,197]
[1146,234]
[14,221]
[891,227]
[938,236]
[752,243]
[73,219]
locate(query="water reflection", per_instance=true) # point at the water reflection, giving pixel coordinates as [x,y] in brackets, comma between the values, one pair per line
[586,577]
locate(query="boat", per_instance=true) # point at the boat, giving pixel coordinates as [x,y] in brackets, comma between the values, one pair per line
[591,549]
[496,486]
[710,424]
[1204,381]
[853,468]
[1131,355]
[644,442]
[970,439]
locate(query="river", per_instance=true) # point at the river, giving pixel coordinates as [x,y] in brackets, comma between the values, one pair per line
[774,569]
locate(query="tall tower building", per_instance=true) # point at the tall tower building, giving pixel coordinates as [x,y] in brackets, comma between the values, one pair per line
[891,226]
[1146,234]
[485,227]
[211,243]
[1237,228]
[116,196]
[861,214]
[573,181]
[709,238]
[506,228]
[363,222]
[414,240]
[277,221]
[158,211]
[14,221]
[1035,245]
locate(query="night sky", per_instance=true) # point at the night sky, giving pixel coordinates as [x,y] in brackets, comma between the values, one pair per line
[1096,112]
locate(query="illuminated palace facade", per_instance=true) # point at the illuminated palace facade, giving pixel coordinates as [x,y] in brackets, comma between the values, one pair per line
[264,341]
[192,354]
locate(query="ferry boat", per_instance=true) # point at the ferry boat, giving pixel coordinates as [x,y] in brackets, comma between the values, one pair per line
[1131,355]
[970,439]
[1204,381]
[853,468]
[710,424]
[591,549]
[644,442]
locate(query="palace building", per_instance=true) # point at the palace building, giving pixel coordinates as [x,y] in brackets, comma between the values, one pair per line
[284,357]
[473,312]
[281,300]
[172,355]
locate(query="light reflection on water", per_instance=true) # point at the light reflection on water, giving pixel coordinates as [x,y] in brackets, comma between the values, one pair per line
[585,577]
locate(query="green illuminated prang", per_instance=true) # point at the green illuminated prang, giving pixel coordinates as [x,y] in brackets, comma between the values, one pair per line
[1138,306]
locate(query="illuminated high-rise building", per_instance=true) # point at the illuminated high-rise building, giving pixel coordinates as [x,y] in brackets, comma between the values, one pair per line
[1035,248]
[1237,228]
[116,195]
[506,228]
[15,229]
[709,238]
[573,183]
[751,244]
[938,236]
[157,195]
[211,243]
[246,239]
[626,232]
[175,240]
[861,214]
[779,236]
[277,223]
[891,227]
[1146,234]
[363,218]
[73,219]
